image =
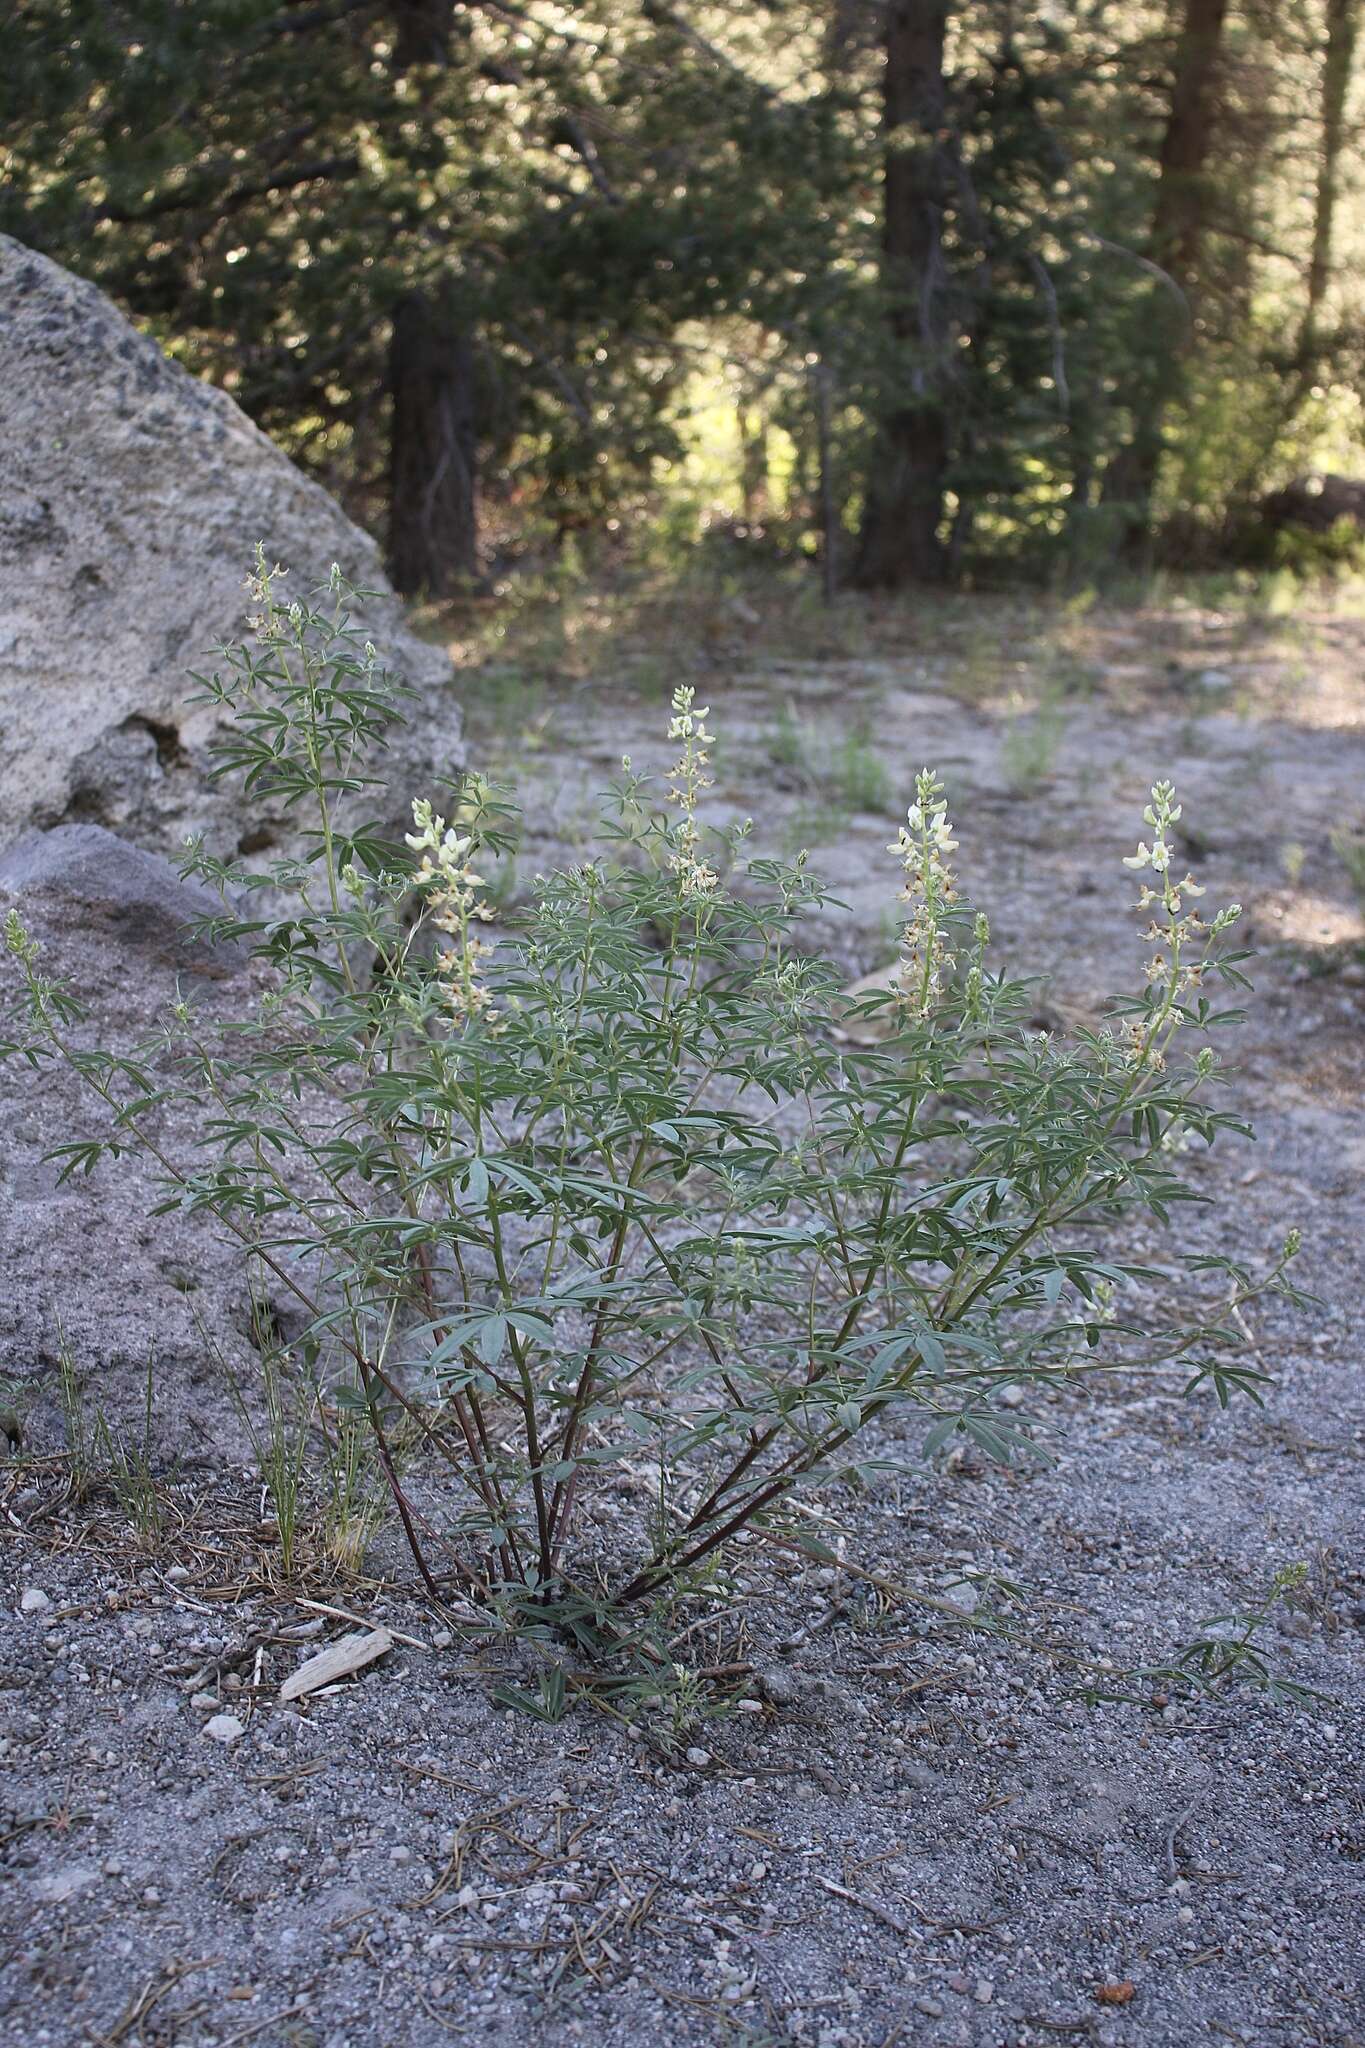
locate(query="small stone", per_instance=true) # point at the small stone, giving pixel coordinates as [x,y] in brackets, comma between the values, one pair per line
[225,1728]
[932,2008]
[699,1757]
[983,1991]
[33,1600]
[60,1885]
[178,1574]
[779,1686]
[442,1639]
[400,1856]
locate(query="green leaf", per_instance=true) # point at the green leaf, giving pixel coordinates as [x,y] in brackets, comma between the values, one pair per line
[492,1339]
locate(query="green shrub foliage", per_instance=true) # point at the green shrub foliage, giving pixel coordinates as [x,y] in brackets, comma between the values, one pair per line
[611,1182]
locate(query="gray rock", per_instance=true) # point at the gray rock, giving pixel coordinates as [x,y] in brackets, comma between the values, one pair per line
[99,879]
[779,1685]
[225,1728]
[131,499]
[60,1885]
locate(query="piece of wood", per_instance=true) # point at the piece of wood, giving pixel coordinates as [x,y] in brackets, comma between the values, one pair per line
[338,1660]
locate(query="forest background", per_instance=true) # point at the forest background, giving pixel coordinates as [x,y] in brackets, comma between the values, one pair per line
[924,292]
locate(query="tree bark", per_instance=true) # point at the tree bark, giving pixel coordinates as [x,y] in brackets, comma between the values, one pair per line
[1343,29]
[422,32]
[900,541]
[433,447]
[1175,244]
[433,430]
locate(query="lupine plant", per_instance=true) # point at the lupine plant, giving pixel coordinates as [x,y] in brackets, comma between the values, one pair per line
[603,1184]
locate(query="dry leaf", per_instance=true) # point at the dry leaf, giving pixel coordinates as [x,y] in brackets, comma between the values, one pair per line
[1116,1994]
[338,1660]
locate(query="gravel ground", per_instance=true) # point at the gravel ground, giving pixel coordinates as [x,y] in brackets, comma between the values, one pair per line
[903,1827]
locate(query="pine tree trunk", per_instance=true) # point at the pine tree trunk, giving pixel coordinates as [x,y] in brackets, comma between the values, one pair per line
[433,448]
[1343,28]
[900,541]
[1176,243]
[422,32]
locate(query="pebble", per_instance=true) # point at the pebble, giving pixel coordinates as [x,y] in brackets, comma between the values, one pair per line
[225,1728]
[33,1600]
[60,1885]
[699,1757]
[779,1685]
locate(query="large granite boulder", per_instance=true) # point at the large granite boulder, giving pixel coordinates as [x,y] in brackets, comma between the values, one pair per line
[131,499]
[90,881]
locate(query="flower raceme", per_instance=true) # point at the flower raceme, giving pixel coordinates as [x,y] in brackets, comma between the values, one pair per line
[451,884]
[690,782]
[924,843]
[1176,929]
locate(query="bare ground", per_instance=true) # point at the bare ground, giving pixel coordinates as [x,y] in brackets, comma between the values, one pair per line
[900,1828]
